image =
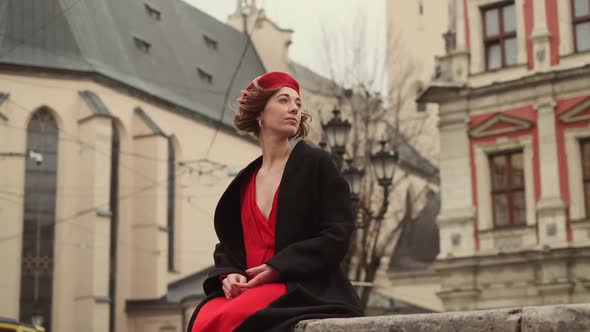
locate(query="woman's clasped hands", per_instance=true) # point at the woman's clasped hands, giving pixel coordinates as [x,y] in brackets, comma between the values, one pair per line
[235,284]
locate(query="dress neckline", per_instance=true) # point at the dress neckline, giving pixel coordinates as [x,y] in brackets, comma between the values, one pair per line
[272,206]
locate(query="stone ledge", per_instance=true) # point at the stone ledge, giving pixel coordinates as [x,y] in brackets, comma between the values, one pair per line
[553,318]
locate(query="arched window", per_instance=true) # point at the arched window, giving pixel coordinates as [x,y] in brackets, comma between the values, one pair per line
[114,207]
[39,218]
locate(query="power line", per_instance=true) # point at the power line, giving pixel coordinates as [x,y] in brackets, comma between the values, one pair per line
[74,139]
[84,144]
[231,82]
[94,208]
[11,201]
[94,232]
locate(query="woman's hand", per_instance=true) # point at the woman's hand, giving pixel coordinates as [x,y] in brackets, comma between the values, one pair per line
[232,285]
[260,275]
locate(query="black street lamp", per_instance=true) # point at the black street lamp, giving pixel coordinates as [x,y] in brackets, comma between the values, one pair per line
[337,134]
[384,162]
[354,177]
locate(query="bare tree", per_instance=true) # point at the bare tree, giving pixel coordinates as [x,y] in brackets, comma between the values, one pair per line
[375,85]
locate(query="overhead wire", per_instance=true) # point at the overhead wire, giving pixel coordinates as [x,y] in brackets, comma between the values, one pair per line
[231,83]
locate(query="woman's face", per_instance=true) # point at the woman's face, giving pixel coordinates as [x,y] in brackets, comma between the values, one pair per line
[282,114]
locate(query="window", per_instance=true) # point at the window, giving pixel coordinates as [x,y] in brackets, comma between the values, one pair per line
[171,203]
[499,23]
[585,146]
[508,192]
[142,45]
[210,42]
[205,76]
[153,12]
[36,288]
[581,22]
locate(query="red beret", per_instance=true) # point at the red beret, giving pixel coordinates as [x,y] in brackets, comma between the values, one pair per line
[275,79]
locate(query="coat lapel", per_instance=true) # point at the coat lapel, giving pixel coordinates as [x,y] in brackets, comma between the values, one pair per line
[285,194]
[228,220]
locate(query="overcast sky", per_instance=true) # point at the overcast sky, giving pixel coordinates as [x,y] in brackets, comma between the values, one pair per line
[307,18]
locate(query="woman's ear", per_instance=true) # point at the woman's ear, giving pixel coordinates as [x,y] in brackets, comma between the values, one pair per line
[259,120]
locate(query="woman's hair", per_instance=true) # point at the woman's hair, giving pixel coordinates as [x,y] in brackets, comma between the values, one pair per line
[252,102]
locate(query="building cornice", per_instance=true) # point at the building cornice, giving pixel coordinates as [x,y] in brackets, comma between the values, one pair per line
[440,92]
[540,255]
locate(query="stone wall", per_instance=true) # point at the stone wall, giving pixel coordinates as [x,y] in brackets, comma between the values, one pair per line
[554,318]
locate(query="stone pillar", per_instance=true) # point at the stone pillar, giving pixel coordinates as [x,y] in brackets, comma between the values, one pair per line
[457,217]
[149,221]
[541,37]
[11,211]
[551,210]
[92,281]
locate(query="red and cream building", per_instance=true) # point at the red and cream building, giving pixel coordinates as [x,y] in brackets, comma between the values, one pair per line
[513,91]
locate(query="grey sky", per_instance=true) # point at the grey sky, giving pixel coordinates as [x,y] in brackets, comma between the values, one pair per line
[307,18]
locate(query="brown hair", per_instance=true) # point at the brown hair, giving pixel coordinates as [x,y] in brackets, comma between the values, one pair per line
[252,102]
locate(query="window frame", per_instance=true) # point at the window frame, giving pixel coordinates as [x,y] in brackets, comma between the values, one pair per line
[39,219]
[501,37]
[576,21]
[509,191]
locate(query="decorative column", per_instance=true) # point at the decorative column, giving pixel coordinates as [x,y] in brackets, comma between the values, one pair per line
[541,37]
[551,211]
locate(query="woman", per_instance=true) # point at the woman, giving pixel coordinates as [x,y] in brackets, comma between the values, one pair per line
[283,225]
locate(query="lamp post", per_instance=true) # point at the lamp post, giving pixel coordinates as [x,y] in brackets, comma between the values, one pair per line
[383,162]
[354,177]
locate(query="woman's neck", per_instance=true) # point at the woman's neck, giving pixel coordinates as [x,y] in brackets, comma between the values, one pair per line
[275,151]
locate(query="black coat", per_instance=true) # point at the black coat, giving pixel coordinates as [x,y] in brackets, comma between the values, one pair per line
[313,226]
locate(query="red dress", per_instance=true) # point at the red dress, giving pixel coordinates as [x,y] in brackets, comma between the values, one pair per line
[221,314]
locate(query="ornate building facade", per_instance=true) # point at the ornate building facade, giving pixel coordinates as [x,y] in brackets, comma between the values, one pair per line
[514,107]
